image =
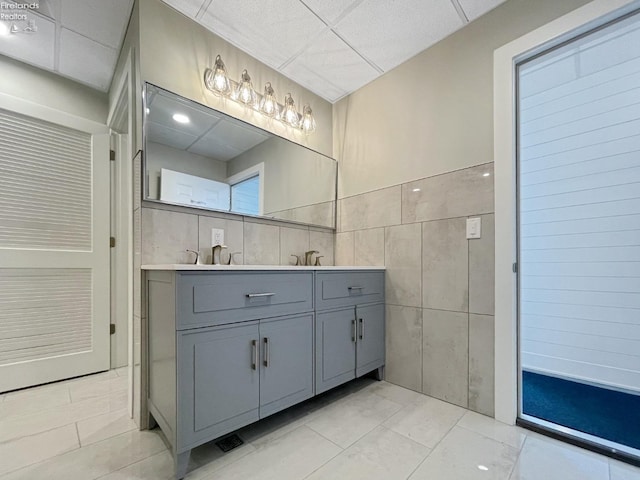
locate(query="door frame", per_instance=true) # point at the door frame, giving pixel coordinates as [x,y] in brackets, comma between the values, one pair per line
[505,58]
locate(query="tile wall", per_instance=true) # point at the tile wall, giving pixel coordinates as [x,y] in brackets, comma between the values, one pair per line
[440,286]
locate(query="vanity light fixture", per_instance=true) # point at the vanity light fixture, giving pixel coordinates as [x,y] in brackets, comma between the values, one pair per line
[245,93]
[269,104]
[217,81]
[180,118]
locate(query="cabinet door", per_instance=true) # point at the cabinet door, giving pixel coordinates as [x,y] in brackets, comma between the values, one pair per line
[335,348]
[370,352]
[219,381]
[286,362]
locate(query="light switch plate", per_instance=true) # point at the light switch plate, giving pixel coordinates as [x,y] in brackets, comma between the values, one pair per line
[474,227]
[217,236]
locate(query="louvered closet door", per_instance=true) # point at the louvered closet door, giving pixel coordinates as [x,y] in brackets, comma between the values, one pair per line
[54,252]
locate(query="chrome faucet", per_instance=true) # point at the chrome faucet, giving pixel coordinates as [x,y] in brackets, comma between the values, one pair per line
[307,257]
[216,249]
[231,257]
[195,262]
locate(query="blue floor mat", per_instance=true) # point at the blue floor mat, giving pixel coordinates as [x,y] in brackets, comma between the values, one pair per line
[607,414]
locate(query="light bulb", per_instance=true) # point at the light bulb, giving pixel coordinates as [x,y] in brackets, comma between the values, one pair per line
[308,123]
[216,79]
[268,104]
[289,114]
[245,92]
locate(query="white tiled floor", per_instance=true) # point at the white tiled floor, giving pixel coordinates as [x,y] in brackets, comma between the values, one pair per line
[364,430]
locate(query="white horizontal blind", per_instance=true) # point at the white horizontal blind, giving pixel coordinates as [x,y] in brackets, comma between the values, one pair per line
[44,313]
[45,185]
[579,209]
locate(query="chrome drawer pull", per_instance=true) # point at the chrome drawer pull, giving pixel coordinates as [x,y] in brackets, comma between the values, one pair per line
[361,329]
[356,288]
[257,295]
[254,356]
[353,330]
[265,362]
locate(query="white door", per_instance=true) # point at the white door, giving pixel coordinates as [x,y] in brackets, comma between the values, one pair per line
[54,247]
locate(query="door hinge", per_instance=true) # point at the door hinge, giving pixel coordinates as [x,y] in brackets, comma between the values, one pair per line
[112,328]
[514,267]
[112,155]
[112,242]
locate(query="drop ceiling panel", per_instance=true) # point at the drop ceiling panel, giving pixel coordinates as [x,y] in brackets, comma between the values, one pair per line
[168,136]
[212,147]
[189,7]
[162,110]
[238,136]
[475,8]
[101,20]
[271,30]
[34,48]
[334,62]
[86,60]
[300,74]
[330,10]
[388,33]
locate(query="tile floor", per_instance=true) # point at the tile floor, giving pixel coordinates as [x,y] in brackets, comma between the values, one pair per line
[370,430]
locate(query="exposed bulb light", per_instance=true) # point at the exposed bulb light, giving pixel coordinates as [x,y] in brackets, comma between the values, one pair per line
[486,174]
[483,468]
[289,114]
[216,79]
[269,104]
[415,190]
[245,93]
[180,118]
[308,123]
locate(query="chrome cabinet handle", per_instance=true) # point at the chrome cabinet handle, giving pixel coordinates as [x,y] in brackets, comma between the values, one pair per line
[356,288]
[265,362]
[257,295]
[361,329]
[353,330]
[254,356]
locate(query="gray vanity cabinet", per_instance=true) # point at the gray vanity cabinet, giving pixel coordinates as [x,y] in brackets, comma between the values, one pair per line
[349,340]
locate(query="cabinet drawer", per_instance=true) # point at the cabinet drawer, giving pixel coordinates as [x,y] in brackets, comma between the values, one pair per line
[205,299]
[344,289]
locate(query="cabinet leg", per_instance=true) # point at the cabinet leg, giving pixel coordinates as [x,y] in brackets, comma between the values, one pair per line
[379,373]
[182,463]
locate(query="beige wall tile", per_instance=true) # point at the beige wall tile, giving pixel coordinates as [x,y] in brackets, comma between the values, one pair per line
[261,244]
[293,241]
[404,347]
[481,363]
[482,269]
[369,247]
[233,238]
[379,208]
[344,248]
[402,252]
[167,235]
[445,355]
[445,274]
[456,194]
[324,243]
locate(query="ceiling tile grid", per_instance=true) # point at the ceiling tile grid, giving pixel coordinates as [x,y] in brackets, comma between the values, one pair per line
[79,39]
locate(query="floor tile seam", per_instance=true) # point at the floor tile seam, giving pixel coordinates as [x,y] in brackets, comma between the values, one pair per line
[107,394]
[35,412]
[342,450]
[517,449]
[127,466]
[133,427]
[328,439]
[12,440]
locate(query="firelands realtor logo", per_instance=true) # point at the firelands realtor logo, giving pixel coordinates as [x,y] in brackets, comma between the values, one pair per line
[15,18]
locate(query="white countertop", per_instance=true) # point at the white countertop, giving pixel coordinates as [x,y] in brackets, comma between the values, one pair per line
[186,267]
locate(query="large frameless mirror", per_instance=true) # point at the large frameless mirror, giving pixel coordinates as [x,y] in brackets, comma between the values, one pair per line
[199,157]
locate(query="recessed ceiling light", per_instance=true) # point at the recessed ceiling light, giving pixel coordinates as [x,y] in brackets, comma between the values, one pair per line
[180,118]
[486,174]
[416,190]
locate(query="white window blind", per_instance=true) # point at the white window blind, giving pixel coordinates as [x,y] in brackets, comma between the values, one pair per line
[45,185]
[579,208]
